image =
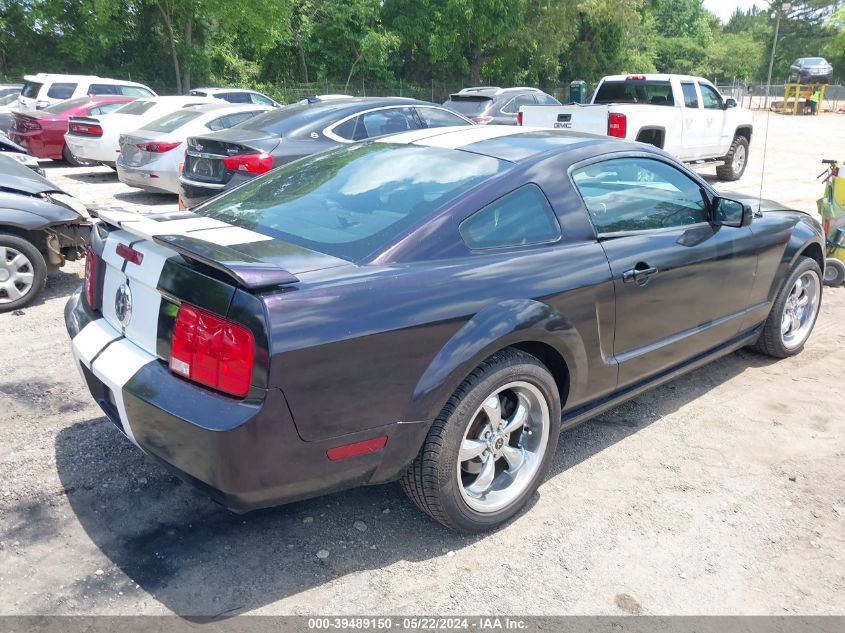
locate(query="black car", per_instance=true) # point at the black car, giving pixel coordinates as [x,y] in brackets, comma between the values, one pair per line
[40,228]
[490,105]
[811,70]
[222,160]
[432,307]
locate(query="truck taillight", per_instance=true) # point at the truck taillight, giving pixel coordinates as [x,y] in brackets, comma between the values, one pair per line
[85,129]
[90,286]
[250,163]
[617,125]
[519,118]
[211,350]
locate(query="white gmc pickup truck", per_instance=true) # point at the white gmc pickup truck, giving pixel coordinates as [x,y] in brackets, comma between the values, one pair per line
[684,115]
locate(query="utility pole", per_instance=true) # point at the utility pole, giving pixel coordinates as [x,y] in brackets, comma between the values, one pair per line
[783,8]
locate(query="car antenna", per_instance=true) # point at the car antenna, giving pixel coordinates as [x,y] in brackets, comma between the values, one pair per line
[313,99]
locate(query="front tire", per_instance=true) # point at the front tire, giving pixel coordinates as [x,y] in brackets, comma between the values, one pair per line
[23,272]
[794,311]
[490,447]
[735,161]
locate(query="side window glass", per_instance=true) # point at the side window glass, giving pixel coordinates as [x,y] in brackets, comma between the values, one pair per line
[61,91]
[352,129]
[710,98]
[235,97]
[435,117]
[387,121]
[514,104]
[216,124]
[518,218]
[690,95]
[102,89]
[639,194]
[133,91]
[104,109]
[260,99]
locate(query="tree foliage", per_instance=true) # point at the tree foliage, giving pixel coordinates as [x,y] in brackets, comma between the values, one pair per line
[176,44]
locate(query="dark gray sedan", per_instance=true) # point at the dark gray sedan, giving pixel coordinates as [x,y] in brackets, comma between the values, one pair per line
[811,70]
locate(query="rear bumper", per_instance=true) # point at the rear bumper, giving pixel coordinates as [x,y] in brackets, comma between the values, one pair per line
[150,179]
[246,454]
[99,150]
[192,192]
[36,144]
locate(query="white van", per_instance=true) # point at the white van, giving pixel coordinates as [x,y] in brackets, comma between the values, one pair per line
[42,90]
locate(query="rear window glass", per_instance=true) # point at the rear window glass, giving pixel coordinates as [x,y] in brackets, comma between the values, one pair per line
[31,89]
[61,91]
[11,98]
[170,122]
[468,106]
[282,120]
[354,201]
[137,107]
[64,106]
[635,91]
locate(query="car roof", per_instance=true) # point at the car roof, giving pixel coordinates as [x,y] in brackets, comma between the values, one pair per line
[42,77]
[510,143]
[216,90]
[492,91]
[653,77]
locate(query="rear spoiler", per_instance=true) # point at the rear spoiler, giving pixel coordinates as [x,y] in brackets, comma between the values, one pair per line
[247,272]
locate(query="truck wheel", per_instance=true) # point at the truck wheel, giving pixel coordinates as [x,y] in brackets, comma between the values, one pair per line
[72,160]
[794,311]
[735,160]
[490,447]
[23,272]
[834,272]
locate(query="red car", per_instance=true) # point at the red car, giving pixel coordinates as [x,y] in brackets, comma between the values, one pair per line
[42,132]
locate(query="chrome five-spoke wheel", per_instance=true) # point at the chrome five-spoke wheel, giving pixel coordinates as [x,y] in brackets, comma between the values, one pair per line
[799,312]
[503,447]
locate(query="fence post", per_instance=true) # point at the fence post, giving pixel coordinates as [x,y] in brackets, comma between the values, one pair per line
[432,89]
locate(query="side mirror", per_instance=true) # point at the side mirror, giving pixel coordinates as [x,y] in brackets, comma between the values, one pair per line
[731,213]
[730,103]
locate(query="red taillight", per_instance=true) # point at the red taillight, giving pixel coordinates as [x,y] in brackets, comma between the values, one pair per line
[617,125]
[130,254]
[30,125]
[250,163]
[91,264]
[358,448]
[211,350]
[158,147]
[85,129]
[635,78]
[519,118]
[481,120]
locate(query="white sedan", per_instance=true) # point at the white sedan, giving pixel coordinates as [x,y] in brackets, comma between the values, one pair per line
[96,139]
[150,157]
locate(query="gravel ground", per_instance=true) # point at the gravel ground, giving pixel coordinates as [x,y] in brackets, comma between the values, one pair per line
[722,492]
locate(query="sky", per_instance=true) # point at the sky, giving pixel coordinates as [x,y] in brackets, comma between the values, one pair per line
[724,8]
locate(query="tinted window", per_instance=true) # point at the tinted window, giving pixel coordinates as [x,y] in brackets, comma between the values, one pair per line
[515,104]
[30,89]
[281,121]
[105,108]
[61,91]
[710,99]
[229,120]
[134,91]
[197,93]
[234,97]
[435,117]
[137,107]
[377,123]
[521,217]
[170,122]
[260,99]
[102,89]
[635,91]
[690,95]
[353,201]
[468,106]
[64,106]
[544,99]
[636,194]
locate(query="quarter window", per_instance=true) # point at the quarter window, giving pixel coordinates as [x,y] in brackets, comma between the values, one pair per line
[435,117]
[710,99]
[518,218]
[514,104]
[639,194]
[376,123]
[61,91]
[690,95]
[260,99]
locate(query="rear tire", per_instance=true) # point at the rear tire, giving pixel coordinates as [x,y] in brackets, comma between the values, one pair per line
[735,161]
[72,160]
[23,272]
[834,272]
[490,447]
[791,320]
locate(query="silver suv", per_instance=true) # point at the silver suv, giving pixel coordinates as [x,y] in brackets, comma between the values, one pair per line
[491,105]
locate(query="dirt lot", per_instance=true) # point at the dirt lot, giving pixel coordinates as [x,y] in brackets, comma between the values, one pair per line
[722,492]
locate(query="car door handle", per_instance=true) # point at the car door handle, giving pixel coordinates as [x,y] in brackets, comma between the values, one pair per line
[640,273]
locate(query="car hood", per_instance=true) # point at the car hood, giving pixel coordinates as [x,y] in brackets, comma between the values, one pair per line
[15,176]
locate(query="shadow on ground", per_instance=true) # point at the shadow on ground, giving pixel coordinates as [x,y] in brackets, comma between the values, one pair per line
[198,559]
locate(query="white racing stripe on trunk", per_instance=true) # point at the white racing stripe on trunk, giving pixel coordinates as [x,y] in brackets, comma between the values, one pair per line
[91,339]
[115,366]
[228,236]
[199,227]
[469,135]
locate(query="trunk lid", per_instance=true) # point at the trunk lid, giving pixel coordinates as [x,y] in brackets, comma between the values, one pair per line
[205,154]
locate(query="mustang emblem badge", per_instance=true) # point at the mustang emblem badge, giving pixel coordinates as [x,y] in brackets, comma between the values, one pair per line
[123,304]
